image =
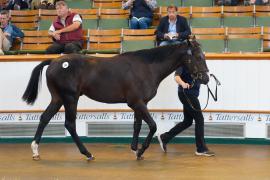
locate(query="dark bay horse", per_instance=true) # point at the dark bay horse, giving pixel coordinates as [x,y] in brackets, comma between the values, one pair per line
[131,78]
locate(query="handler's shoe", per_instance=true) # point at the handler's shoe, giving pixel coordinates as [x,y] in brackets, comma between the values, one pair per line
[162,143]
[205,153]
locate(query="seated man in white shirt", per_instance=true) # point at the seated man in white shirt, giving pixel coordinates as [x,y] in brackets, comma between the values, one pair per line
[66,31]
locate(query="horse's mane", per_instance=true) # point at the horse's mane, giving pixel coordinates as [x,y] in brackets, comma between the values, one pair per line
[155,54]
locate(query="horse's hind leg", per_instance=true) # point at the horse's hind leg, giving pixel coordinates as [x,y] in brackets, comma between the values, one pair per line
[142,110]
[46,116]
[137,127]
[70,104]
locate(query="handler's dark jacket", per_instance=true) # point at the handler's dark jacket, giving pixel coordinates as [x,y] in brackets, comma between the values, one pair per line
[186,77]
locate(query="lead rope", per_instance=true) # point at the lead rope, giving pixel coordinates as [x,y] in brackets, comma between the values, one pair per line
[208,92]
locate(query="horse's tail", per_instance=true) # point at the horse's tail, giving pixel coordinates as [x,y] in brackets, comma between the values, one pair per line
[31,92]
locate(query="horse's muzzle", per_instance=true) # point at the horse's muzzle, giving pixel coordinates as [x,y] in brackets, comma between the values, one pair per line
[204,78]
[201,77]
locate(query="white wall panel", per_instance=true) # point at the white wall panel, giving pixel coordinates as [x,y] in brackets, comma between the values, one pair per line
[245,86]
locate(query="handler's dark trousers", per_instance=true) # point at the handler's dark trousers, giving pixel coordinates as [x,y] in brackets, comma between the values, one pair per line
[189,115]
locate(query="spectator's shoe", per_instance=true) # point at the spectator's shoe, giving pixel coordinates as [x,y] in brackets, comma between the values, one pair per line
[1,52]
[162,143]
[205,153]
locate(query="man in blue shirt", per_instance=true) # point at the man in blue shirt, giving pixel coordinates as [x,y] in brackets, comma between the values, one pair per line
[8,32]
[141,13]
[172,29]
[188,96]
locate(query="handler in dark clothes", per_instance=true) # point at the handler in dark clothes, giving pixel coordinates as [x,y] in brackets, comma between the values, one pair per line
[185,91]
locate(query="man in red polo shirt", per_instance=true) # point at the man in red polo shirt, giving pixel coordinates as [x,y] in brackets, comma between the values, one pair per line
[66,31]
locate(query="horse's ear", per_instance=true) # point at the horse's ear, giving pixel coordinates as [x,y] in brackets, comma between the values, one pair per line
[189,43]
[193,41]
[188,40]
[192,37]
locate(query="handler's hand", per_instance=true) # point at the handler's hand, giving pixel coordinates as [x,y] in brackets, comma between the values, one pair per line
[185,85]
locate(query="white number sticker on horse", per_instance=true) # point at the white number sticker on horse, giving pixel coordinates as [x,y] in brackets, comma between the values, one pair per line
[65,65]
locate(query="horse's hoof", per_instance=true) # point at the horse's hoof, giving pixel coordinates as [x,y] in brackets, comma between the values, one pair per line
[140,158]
[36,158]
[92,158]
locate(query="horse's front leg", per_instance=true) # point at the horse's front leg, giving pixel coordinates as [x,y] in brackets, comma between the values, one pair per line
[70,105]
[137,127]
[142,110]
[45,118]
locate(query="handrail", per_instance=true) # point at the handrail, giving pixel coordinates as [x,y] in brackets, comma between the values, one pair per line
[209,56]
[151,110]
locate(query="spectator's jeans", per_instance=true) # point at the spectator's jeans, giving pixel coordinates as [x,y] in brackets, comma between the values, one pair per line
[142,23]
[228,2]
[169,42]
[260,2]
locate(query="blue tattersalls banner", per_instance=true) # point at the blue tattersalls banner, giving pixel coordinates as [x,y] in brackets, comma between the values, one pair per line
[126,116]
[254,125]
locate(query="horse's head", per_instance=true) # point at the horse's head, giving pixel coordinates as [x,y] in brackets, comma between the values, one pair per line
[196,62]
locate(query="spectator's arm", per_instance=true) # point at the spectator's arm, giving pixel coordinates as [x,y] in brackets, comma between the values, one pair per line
[151,3]
[16,33]
[51,30]
[127,4]
[52,33]
[57,34]
[160,32]
[75,25]
[184,35]
[8,30]
[77,21]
